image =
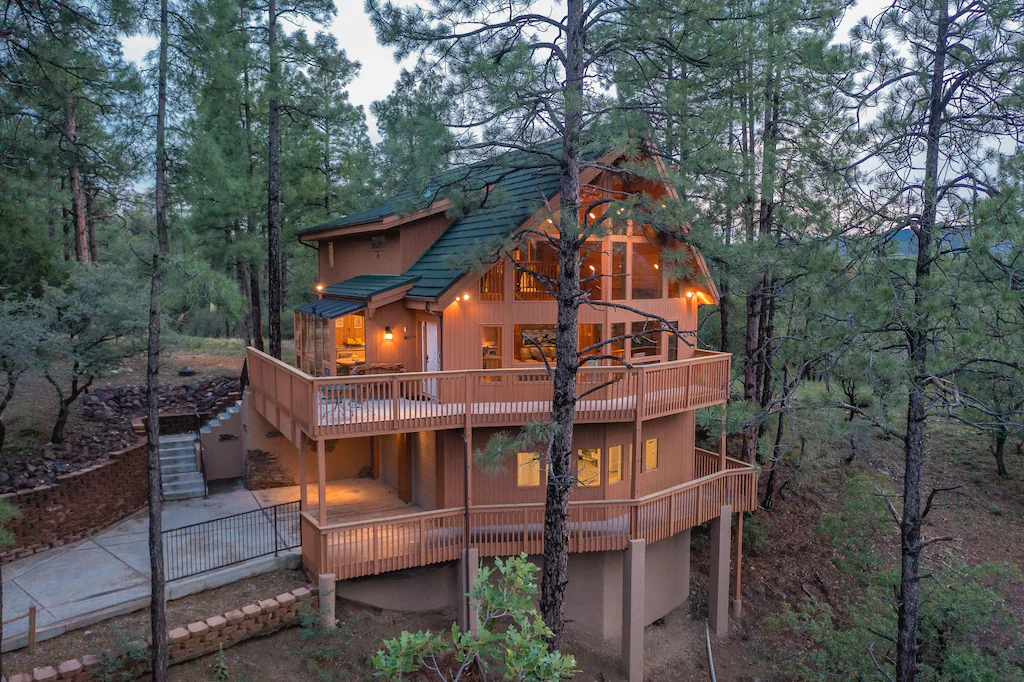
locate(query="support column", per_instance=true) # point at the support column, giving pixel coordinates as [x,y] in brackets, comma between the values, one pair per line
[303,493]
[718,574]
[633,609]
[737,596]
[321,481]
[468,564]
[326,596]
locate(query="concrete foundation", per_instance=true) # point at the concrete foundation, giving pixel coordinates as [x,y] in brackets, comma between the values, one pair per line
[594,595]
[328,599]
[468,608]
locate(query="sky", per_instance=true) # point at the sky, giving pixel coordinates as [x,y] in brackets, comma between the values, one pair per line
[379,71]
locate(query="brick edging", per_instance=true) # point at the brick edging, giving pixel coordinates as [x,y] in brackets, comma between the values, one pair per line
[186,642]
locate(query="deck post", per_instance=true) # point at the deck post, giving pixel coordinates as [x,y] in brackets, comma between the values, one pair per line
[638,436]
[718,572]
[722,441]
[321,481]
[737,596]
[468,565]
[303,493]
[633,609]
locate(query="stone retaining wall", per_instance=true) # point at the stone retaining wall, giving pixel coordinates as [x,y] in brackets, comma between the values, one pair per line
[264,470]
[78,504]
[186,642]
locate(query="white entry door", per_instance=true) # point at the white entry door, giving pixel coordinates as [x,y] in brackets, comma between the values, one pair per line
[431,356]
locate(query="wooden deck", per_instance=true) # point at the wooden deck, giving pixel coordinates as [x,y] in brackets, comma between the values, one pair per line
[341,407]
[371,547]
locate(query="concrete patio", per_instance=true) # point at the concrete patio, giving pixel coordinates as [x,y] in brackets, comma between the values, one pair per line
[108,574]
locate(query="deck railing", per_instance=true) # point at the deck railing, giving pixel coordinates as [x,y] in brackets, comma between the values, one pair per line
[363,548]
[338,407]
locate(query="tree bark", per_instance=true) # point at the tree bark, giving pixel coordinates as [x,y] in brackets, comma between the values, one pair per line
[273,190]
[255,308]
[1000,451]
[561,476]
[75,184]
[242,277]
[751,346]
[157,602]
[911,544]
[94,254]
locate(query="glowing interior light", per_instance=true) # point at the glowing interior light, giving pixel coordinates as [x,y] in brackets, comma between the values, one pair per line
[388,333]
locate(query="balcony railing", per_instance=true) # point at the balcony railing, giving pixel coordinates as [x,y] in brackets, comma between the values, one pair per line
[363,548]
[339,407]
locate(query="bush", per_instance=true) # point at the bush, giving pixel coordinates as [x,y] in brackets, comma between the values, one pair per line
[512,638]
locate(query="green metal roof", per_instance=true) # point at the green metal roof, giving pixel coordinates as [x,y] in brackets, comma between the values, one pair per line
[329,308]
[522,182]
[364,287]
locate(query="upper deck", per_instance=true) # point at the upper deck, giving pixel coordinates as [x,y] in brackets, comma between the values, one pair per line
[344,407]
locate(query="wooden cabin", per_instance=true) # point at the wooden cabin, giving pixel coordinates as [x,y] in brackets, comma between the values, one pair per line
[409,357]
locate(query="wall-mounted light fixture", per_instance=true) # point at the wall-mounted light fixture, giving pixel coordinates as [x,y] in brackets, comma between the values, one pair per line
[319,287]
[465,297]
[388,333]
[689,294]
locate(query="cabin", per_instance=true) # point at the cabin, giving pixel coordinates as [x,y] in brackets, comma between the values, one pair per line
[411,355]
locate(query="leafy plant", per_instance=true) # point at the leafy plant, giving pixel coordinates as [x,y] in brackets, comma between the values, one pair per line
[220,671]
[511,637]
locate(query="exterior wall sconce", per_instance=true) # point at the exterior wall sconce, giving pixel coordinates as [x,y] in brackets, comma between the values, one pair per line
[689,294]
[465,297]
[388,334]
[319,287]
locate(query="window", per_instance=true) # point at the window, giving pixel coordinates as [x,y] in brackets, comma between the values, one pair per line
[646,342]
[673,288]
[528,469]
[673,343]
[650,454]
[646,271]
[614,464]
[491,347]
[589,335]
[591,268]
[536,258]
[350,340]
[618,348]
[619,271]
[534,342]
[588,467]
[492,284]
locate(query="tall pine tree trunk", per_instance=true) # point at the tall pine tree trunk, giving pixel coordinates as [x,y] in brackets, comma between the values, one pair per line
[255,308]
[94,253]
[157,603]
[78,211]
[561,476]
[273,190]
[911,543]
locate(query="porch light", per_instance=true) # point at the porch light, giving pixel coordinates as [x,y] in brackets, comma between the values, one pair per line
[388,333]
[592,216]
[689,294]
[319,287]
[465,297]
[593,269]
[657,267]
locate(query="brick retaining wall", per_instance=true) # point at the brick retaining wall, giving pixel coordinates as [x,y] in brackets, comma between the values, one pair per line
[186,642]
[78,504]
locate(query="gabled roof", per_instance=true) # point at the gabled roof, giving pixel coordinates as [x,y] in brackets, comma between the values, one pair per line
[330,308]
[365,287]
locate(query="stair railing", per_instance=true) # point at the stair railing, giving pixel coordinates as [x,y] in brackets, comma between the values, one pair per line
[202,453]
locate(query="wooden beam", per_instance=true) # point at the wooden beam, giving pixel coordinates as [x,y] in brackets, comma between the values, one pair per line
[321,481]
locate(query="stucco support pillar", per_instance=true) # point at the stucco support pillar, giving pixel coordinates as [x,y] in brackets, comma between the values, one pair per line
[718,574]
[633,609]
[326,586]
[737,596]
[321,481]
[468,565]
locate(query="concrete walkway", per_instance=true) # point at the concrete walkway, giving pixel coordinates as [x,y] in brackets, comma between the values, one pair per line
[108,574]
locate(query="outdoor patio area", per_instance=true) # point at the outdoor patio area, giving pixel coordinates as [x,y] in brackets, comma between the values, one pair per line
[348,500]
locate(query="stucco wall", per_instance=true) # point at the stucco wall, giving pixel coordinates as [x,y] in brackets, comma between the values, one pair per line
[346,458]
